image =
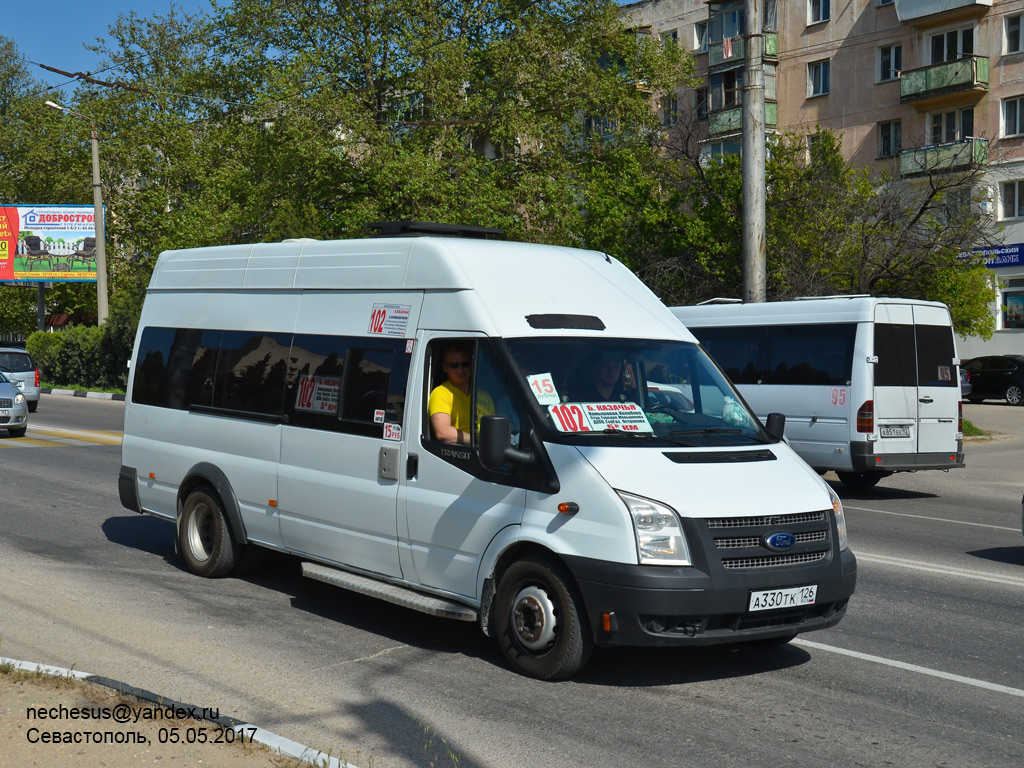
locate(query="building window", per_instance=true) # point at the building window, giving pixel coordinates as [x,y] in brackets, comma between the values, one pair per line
[1013,116]
[1013,199]
[819,11]
[700,33]
[947,127]
[956,44]
[727,89]
[669,110]
[1013,34]
[670,38]
[890,62]
[771,16]
[717,149]
[818,77]
[771,81]
[890,138]
[702,103]
[885,2]
[1013,315]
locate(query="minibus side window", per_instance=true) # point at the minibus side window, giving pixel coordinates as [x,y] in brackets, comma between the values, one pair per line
[806,355]
[342,384]
[251,371]
[203,370]
[489,389]
[738,351]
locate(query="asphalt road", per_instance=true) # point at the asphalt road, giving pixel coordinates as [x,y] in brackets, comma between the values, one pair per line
[927,669]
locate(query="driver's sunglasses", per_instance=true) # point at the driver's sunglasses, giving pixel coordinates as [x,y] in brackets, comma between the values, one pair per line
[460,364]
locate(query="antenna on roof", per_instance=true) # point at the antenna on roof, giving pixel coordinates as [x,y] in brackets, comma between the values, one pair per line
[407,228]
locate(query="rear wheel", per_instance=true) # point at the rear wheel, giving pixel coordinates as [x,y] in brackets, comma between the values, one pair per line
[204,535]
[541,625]
[860,481]
[1014,394]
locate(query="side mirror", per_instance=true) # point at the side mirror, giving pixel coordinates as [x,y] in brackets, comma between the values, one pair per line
[776,425]
[496,443]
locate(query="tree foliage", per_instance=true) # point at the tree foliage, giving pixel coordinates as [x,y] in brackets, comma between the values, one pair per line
[265,120]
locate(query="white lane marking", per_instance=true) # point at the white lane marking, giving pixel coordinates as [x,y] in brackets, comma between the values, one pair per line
[937,519]
[945,570]
[913,668]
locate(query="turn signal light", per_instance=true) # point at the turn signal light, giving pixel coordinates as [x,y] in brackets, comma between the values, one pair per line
[568,507]
[866,417]
[272,502]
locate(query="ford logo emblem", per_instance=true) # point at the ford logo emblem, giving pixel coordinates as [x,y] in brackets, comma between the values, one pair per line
[780,542]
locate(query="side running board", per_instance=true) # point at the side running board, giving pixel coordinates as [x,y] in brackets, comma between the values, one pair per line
[392,593]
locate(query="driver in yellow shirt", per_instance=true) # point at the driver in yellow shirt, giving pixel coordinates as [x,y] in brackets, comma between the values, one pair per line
[449,403]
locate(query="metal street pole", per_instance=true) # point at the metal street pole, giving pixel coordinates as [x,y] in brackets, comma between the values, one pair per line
[753,243]
[97,204]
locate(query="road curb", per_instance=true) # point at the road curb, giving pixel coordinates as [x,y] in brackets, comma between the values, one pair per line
[80,393]
[269,739]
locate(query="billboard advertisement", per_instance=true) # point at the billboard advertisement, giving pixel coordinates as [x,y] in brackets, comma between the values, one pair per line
[47,243]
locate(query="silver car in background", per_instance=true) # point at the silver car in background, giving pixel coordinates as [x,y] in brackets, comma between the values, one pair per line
[16,364]
[13,408]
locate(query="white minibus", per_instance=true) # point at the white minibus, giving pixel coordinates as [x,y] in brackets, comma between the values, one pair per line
[869,386]
[611,489]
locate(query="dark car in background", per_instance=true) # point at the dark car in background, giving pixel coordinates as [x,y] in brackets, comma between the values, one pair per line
[16,364]
[996,377]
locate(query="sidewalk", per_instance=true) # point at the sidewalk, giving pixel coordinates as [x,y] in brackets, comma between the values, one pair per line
[80,393]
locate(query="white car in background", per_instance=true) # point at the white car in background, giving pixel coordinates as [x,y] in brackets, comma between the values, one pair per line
[16,364]
[13,408]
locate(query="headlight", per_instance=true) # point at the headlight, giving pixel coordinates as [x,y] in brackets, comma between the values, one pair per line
[659,532]
[837,510]
[19,399]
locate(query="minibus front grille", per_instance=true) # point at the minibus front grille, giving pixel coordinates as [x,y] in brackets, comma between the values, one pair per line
[763,542]
[764,521]
[755,541]
[772,561]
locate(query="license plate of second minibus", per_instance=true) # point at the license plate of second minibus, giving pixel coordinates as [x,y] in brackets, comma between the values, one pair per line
[783,598]
[894,431]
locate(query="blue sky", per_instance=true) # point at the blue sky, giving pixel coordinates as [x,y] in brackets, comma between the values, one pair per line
[53,32]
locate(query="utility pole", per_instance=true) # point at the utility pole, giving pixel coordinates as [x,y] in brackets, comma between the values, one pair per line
[753,244]
[97,204]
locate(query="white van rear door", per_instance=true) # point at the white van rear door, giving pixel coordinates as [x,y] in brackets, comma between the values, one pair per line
[895,392]
[938,385]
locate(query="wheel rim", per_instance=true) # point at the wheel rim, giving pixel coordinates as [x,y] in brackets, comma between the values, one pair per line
[533,619]
[200,532]
[1013,395]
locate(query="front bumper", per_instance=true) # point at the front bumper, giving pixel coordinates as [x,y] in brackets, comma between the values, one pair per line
[650,605]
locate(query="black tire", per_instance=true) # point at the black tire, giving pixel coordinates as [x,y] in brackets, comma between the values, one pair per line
[204,535]
[975,400]
[17,432]
[860,481]
[1014,394]
[540,621]
[32,405]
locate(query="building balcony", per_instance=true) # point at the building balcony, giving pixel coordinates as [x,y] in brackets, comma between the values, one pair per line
[928,13]
[958,156]
[948,82]
[730,119]
[716,56]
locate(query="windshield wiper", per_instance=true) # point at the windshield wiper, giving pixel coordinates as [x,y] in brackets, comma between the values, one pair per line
[707,431]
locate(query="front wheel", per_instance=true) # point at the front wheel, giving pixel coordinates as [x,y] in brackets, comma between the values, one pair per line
[32,405]
[541,625]
[204,535]
[17,432]
[1014,394]
[860,481]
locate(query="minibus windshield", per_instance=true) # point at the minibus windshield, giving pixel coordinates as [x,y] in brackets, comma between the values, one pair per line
[632,391]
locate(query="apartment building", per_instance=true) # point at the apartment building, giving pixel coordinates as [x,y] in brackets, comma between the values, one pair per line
[911,86]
